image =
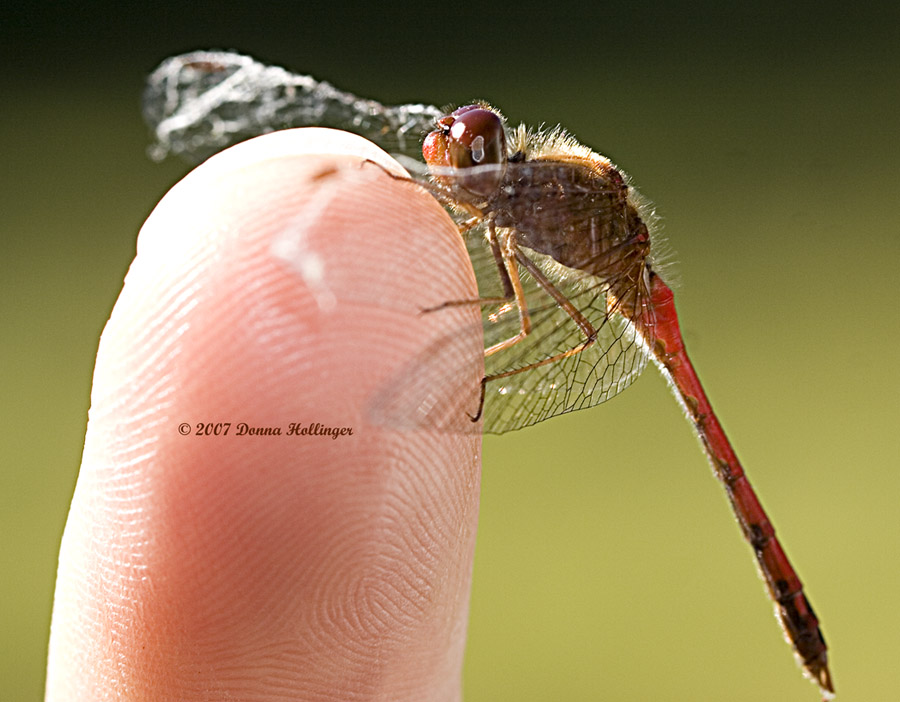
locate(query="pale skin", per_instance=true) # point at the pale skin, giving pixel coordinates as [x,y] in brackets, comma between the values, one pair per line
[271,567]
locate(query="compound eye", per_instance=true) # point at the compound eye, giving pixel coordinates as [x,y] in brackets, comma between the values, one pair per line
[477,149]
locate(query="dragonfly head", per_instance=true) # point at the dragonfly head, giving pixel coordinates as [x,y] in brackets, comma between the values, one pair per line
[467,151]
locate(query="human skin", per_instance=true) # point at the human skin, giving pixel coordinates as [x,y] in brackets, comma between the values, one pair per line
[280,282]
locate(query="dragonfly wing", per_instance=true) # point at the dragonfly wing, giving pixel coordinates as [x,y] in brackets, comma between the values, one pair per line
[529,386]
[199,103]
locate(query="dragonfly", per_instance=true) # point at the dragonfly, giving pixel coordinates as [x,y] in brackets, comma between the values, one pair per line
[572,297]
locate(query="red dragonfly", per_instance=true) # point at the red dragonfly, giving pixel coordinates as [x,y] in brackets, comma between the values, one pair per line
[572,300]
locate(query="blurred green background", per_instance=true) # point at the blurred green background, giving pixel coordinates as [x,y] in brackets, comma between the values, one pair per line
[608,565]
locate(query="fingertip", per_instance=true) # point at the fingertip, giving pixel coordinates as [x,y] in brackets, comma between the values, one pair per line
[276,287]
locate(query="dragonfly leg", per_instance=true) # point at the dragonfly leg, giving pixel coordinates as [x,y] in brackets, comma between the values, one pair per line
[504,250]
[586,327]
[508,293]
[439,192]
[509,274]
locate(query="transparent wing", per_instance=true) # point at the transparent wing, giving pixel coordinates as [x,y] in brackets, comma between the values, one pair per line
[202,102]
[530,387]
